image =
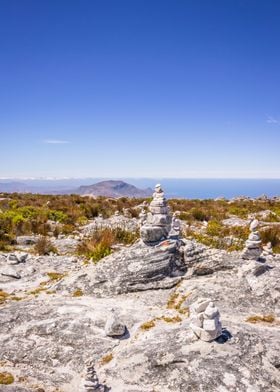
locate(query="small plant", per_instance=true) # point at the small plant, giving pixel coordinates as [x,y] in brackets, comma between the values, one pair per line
[148,325]
[3,296]
[106,359]
[176,302]
[175,319]
[44,246]
[78,293]
[270,318]
[55,275]
[172,300]
[6,378]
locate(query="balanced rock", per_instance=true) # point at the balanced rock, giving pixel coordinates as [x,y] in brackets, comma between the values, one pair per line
[205,320]
[253,247]
[91,383]
[175,226]
[114,327]
[157,224]
[267,250]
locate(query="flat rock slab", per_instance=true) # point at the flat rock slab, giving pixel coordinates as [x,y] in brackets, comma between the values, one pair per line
[139,267]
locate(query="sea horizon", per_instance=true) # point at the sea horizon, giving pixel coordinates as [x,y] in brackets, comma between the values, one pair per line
[192,188]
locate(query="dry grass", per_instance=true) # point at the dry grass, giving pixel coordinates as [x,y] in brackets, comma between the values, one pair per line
[269,318]
[55,275]
[44,247]
[175,319]
[176,302]
[3,296]
[6,378]
[148,325]
[106,359]
[78,293]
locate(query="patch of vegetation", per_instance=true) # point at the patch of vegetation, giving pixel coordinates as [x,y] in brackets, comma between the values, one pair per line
[106,359]
[176,302]
[102,240]
[175,319]
[6,378]
[25,214]
[37,291]
[44,246]
[270,318]
[148,325]
[78,293]
[3,296]
[172,300]
[272,235]
[55,275]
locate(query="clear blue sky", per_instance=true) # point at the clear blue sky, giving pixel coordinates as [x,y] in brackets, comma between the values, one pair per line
[140,88]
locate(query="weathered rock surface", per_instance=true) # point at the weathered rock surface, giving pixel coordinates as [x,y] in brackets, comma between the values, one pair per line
[136,268]
[47,341]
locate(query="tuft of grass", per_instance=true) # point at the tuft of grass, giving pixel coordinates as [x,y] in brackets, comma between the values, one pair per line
[102,240]
[44,246]
[55,275]
[269,318]
[175,319]
[172,300]
[6,378]
[106,359]
[37,291]
[78,293]
[3,296]
[148,325]
[176,302]
[15,298]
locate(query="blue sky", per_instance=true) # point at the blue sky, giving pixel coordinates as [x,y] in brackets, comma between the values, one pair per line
[140,88]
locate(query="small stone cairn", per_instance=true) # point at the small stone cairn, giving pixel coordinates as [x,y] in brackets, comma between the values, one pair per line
[205,320]
[253,248]
[267,250]
[175,226]
[114,327]
[91,383]
[157,224]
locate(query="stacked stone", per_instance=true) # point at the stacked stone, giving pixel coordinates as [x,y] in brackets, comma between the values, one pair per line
[157,225]
[114,327]
[205,320]
[175,226]
[91,383]
[253,248]
[267,250]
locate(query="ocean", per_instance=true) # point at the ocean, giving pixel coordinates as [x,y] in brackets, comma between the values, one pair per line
[174,188]
[212,188]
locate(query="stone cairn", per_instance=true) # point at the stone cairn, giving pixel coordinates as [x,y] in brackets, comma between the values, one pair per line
[175,226]
[91,383]
[253,248]
[157,223]
[114,327]
[267,250]
[205,320]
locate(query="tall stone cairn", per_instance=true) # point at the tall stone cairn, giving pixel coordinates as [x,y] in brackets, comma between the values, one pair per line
[157,225]
[253,248]
[91,383]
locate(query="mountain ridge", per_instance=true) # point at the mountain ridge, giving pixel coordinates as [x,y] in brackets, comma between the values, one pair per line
[113,188]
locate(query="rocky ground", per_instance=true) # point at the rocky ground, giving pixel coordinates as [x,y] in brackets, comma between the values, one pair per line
[54,310]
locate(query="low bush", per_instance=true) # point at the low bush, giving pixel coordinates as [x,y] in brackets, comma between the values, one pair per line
[44,246]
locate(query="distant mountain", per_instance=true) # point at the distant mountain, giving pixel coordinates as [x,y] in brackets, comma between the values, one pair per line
[113,188]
